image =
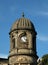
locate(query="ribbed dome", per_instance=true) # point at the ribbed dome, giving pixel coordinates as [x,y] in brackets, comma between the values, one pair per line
[23,23]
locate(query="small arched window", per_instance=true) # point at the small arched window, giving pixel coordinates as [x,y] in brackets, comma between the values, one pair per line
[13,42]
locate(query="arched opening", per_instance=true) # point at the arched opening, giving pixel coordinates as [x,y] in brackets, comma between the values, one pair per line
[13,43]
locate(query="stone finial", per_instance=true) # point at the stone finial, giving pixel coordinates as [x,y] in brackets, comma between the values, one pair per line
[23,14]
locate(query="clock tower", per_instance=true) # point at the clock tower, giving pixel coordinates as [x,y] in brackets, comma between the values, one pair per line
[23,43]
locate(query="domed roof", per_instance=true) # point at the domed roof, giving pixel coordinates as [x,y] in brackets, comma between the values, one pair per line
[22,23]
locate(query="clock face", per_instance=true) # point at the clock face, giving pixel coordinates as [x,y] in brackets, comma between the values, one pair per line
[24,39]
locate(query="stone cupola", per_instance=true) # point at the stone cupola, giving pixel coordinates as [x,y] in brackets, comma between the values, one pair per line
[23,43]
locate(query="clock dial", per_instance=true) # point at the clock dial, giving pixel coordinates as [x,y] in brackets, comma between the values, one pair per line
[24,39]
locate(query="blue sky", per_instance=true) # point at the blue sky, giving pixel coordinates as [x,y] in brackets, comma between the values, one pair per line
[35,10]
